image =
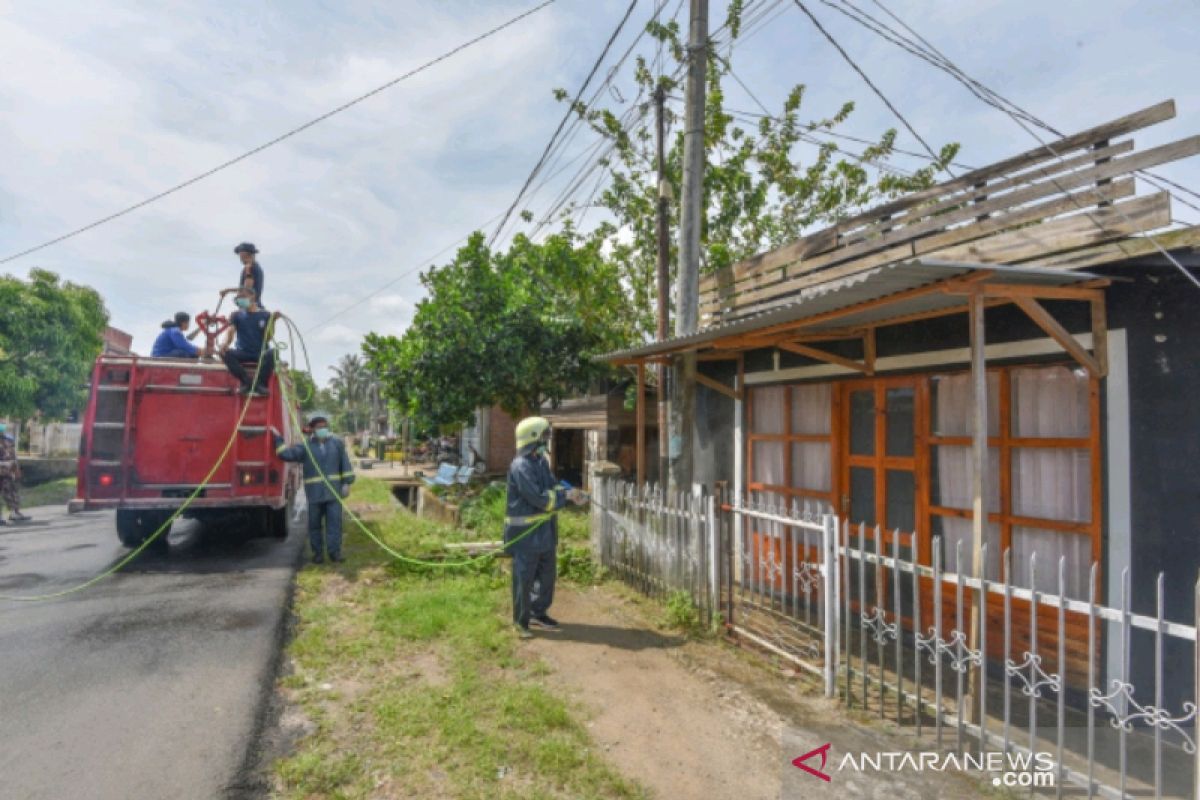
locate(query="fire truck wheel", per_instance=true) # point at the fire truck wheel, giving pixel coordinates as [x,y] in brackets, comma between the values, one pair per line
[134,527]
[277,523]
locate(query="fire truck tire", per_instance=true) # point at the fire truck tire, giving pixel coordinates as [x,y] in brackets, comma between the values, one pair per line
[277,523]
[134,527]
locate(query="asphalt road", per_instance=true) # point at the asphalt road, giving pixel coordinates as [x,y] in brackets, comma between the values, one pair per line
[151,684]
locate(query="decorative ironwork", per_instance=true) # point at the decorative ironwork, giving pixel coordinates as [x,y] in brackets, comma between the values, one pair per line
[876,622]
[1121,696]
[1032,684]
[807,575]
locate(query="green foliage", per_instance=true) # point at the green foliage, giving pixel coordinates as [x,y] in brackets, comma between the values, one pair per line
[681,613]
[576,564]
[356,395]
[50,334]
[51,493]
[484,512]
[515,328]
[759,193]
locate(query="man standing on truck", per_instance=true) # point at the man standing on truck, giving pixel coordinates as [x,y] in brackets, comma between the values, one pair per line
[326,465]
[251,325]
[252,274]
[533,498]
[10,474]
[171,343]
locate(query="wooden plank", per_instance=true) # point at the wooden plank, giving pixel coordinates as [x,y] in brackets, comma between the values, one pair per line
[987,198]
[822,355]
[1110,130]
[1066,233]
[1100,333]
[1058,333]
[1134,247]
[717,386]
[930,244]
[640,455]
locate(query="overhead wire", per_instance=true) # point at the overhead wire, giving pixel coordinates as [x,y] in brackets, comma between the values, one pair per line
[282,137]
[571,112]
[1016,116]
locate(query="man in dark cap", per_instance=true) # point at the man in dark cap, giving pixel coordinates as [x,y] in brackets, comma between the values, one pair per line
[326,466]
[252,274]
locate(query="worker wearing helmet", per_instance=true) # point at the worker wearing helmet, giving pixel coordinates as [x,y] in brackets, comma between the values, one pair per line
[327,469]
[532,493]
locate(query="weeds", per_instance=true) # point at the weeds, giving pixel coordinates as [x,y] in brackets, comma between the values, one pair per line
[680,613]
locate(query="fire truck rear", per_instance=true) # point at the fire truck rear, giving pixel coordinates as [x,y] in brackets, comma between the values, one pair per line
[154,429]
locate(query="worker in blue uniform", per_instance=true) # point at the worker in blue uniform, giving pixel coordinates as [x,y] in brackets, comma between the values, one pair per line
[250,324]
[251,275]
[533,493]
[171,343]
[329,459]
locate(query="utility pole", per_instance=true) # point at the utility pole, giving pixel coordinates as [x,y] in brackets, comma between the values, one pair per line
[664,278]
[687,316]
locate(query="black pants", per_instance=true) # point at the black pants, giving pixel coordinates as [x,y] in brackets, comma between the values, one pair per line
[234,363]
[533,578]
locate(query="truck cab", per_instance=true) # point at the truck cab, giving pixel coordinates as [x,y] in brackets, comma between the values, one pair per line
[153,430]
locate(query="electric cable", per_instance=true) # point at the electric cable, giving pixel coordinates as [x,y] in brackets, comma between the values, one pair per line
[282,137]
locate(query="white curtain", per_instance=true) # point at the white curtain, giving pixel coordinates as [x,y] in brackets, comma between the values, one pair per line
[954,400]
[812,408]
[767,410]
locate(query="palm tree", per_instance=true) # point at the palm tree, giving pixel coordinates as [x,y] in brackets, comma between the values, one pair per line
[350,387]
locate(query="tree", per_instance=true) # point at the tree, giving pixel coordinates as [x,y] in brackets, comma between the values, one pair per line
[758,193]
[515,328]
[353,389]
[50,334]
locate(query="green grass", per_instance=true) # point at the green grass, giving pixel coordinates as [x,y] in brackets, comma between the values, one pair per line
[51,493]
[370,491]
[418,687]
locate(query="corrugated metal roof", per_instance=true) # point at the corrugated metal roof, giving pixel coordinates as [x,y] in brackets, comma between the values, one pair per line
[876,283]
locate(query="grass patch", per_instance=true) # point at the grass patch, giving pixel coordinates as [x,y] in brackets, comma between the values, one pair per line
[417,686]
[51,493]
[370,493]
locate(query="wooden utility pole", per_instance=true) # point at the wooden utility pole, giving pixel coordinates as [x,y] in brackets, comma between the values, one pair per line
[664,277]
[687,316]
[979,491]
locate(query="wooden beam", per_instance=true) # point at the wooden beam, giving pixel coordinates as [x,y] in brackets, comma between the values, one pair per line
[821,355]
[979,479]
[1058,333]
[717,386]
[1100,334]
[869,350]
[641,423]
[1010,290]
[1124,249]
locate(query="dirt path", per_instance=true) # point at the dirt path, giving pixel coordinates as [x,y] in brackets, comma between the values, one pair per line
[698,720]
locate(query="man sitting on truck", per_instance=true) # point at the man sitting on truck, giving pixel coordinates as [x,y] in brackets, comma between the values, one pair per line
[326,465]
[171,343]
[250,323]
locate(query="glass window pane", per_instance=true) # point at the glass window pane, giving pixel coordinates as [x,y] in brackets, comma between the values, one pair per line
[1050,401]
[811,467]
[901,500]
[954,530]
[950,482]
[862,495]
[766,463]
[812,405]
[862,422]
[900,421]
[1050,546]
[767,409]
[953,401]
[1052,483]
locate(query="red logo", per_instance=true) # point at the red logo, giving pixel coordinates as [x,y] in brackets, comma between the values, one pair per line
[823,752]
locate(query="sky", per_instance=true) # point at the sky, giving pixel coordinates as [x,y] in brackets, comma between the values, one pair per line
[103,104]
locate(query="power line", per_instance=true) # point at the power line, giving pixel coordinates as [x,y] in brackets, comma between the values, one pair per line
[282,137]
[562,123]
[869,83]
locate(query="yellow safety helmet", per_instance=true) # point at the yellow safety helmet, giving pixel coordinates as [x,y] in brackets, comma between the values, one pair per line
[531,430]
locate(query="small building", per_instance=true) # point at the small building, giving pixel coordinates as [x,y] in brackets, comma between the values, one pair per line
[1041,294]
[599,428]
[117,342]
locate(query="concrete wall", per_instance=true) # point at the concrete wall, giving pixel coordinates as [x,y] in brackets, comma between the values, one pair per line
[54,440]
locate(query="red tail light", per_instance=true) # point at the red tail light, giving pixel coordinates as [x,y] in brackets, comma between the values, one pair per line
[106,480]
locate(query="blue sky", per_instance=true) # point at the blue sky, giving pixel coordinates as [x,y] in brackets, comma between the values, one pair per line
[103,104]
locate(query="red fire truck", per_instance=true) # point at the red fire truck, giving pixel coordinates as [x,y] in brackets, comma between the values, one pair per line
[154,428]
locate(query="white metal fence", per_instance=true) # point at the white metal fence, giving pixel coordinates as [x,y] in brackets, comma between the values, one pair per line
[1108,694]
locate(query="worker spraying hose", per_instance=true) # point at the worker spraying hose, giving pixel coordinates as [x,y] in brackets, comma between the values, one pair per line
[326,469]
[533,491]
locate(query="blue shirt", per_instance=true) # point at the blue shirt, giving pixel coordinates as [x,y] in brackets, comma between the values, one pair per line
[256,279]
[170,340]
[251,327]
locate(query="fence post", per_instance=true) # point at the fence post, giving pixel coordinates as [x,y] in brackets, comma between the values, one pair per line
[829,570]
[714,545]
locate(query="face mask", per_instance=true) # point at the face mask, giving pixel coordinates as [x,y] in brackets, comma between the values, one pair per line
[323,433]
[242,302]
[3,427]
[542,449]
